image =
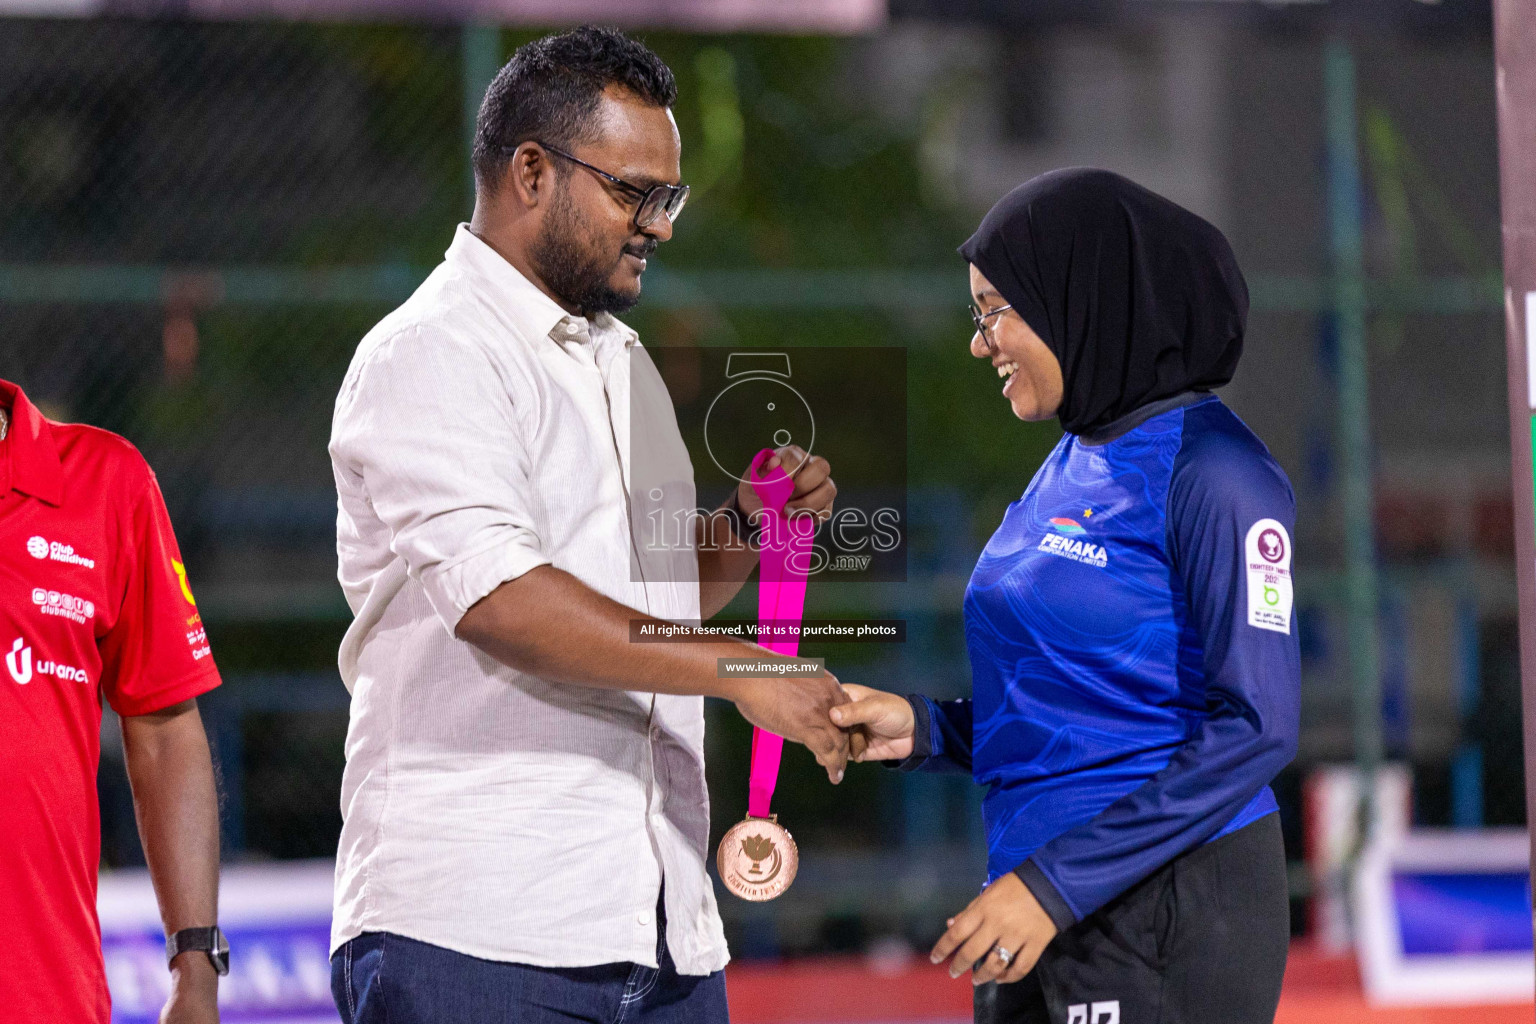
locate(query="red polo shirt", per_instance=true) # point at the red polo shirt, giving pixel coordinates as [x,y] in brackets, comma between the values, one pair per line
[94,605]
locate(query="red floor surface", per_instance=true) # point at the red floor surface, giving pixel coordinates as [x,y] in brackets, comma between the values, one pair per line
[1318,990]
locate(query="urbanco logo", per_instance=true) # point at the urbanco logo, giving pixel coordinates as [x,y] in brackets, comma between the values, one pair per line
[19,662]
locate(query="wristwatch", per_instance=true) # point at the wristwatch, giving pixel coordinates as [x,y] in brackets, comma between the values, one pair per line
[204,940]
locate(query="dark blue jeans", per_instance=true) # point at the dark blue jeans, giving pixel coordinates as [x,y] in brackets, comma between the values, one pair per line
[383,978]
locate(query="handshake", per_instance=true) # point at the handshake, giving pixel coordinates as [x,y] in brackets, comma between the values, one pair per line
[835,722]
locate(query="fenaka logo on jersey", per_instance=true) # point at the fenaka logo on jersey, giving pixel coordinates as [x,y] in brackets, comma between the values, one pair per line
[65,606]
[40,548]
[1066,540]
[19,663]
[1267,564]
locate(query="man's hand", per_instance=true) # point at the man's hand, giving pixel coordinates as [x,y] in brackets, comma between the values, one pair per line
[1006,915]
[797,708]
[194,991]
[724,567]
[814,490]
[879,724]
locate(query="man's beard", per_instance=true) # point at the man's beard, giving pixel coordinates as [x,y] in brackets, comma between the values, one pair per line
[572,265]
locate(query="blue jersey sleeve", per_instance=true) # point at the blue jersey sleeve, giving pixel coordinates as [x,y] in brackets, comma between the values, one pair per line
[941,736]
[1231,515]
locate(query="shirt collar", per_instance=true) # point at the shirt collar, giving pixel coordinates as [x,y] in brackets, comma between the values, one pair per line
[33,467]
[520,300]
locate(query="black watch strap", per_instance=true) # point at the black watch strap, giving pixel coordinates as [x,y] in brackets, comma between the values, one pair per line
[200,940]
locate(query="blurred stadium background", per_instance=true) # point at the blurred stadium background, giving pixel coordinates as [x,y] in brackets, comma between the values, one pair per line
[208,202]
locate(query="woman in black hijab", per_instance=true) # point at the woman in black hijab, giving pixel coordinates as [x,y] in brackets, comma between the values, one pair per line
[1135,668]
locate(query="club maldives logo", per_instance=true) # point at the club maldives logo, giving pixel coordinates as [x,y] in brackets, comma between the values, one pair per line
[1066,540]
[40,548]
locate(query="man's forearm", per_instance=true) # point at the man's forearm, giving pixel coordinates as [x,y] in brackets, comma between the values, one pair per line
[722,574]
[174,799]
[725,561]
[177,807]
[549,623]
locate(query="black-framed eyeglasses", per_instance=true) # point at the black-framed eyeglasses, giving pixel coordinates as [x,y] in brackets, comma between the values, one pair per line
[980,320]
[652,202]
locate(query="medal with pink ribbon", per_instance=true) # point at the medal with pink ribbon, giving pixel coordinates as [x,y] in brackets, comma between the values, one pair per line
[758,857]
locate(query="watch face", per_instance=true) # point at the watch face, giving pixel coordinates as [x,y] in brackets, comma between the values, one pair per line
[220,955]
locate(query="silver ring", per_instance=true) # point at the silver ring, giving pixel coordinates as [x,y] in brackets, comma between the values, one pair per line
[1003,955]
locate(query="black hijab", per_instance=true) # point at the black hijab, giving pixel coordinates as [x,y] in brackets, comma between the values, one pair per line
[1138,298]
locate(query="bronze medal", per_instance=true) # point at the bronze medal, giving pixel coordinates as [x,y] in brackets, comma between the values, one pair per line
[758,859]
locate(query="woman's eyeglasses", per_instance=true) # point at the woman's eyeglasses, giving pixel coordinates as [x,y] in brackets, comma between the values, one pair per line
[653,201]
[980,320]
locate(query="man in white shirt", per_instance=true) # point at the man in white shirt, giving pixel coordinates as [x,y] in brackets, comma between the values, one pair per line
[521,778]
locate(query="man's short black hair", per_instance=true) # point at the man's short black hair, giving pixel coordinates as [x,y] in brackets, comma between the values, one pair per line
[549,92]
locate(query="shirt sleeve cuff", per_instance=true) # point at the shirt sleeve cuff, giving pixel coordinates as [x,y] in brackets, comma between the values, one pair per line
[922,736]
[199,682]
[1049,897]
[454,589]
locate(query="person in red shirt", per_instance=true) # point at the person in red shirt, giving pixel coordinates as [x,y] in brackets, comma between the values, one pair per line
[94,605]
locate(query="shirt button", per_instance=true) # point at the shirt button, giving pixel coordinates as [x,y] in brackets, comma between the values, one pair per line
[644,917]
[572,328]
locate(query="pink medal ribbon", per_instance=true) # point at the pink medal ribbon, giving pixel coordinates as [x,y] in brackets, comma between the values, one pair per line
[786,546]
[758,857]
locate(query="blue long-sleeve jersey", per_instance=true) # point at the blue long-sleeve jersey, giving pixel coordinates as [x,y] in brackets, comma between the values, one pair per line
[1134,658]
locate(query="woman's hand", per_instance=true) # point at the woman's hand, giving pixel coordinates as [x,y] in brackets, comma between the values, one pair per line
[1005,916]
[879,724]
[798,708]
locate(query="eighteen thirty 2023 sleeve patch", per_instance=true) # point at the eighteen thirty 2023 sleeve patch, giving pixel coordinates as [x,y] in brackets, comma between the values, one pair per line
[1267,555]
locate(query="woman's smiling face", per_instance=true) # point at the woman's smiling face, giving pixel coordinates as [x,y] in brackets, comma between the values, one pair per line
[1033,383]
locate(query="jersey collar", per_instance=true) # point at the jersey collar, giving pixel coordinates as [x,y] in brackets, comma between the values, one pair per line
[1130,421]
[33,467]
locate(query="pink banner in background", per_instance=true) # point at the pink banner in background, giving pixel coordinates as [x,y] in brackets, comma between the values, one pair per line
[816,16]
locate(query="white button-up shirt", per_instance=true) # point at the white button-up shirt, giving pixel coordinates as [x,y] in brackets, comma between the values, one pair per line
[482,431]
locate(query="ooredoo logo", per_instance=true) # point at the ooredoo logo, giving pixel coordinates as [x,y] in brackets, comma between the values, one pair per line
[37,547]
